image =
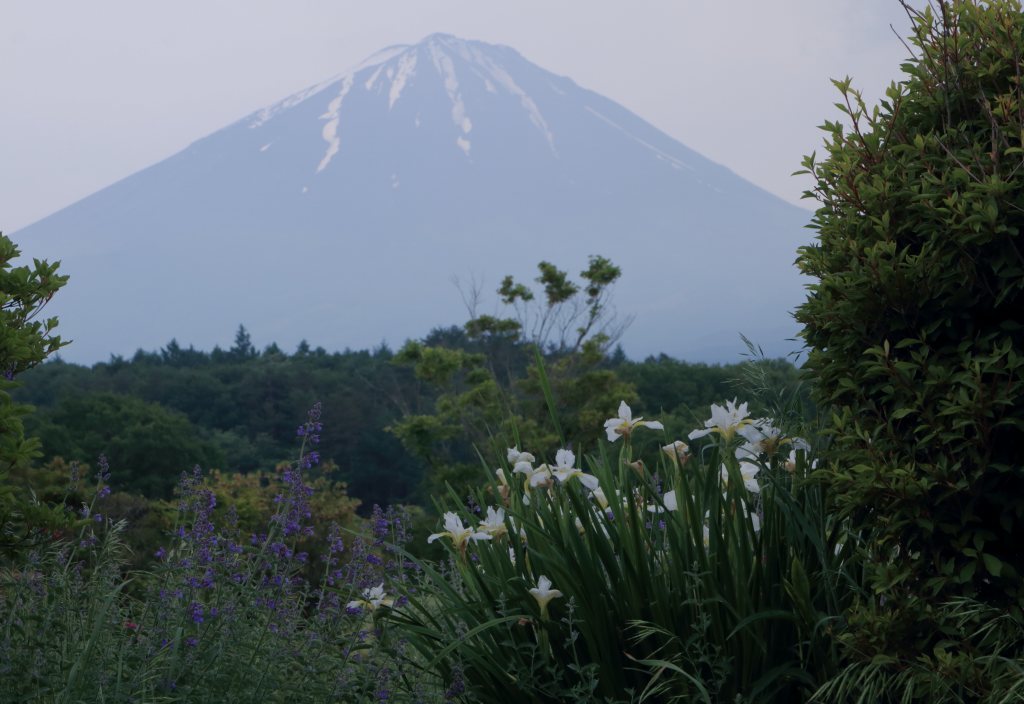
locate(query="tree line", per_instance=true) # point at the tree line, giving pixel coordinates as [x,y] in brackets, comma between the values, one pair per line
[159,413]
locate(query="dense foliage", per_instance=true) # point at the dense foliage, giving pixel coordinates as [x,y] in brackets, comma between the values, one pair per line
[229,409]
[490,386]
[159,413]
[25,341]
[231,611]
[916,331]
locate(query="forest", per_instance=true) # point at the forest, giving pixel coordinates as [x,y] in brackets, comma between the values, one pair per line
[160,413]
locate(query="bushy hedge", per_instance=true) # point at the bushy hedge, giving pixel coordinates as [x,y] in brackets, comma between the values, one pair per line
[916,338]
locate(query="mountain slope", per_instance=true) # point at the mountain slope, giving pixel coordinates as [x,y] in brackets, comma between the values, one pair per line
[341,214]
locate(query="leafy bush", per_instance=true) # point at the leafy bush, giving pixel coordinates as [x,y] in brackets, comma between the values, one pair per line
[916,331]
[489,383]
[149,444]
[25,341]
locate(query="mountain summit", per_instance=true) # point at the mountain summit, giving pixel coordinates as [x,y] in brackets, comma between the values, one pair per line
[342,213]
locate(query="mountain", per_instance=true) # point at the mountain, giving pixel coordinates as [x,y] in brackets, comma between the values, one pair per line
[342,213]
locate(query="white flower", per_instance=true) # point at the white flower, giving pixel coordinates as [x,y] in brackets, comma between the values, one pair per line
[799,445]
[724,421]
[564,470]
[543,593]
[494,523]
[678,451]
[763,438]
[373,599]
[624,424]
[458,533]
[524,465]
[541,476]
[512,555]
[669,499]
[515,456]
[747,473]
[503,488]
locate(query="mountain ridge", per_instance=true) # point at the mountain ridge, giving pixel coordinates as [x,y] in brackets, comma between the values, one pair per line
[403,172]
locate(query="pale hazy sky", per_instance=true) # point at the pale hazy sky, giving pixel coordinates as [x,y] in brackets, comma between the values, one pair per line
[91,92]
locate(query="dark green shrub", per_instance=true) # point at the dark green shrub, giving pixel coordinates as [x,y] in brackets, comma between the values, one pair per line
[916,341]
[148,446]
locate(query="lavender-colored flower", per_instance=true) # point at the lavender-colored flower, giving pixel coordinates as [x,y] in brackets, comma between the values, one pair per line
[293,510]
[103,471]
[458,683]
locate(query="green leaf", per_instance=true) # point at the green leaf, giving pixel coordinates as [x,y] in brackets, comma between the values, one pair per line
[993,564]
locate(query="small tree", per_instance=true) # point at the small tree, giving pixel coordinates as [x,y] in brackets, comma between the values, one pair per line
[490,389]
[916,335]
[25,341]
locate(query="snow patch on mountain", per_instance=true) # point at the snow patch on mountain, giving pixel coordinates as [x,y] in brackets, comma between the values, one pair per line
[406,70]
[333,115]
[508,83]
[373,77]
[662,156]
[381,57]
[267,113]
[444,65]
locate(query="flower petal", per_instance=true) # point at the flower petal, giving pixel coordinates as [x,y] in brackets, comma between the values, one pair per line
[625,413]
[565,458]
[699,433]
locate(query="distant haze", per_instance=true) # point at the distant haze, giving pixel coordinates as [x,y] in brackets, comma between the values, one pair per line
[340,214]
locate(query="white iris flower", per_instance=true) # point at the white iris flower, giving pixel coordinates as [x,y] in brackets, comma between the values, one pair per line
[669,499]
[373,599]
[724,420]
[625,423]
[459,533]
[747,473]
[564,470]
[494,524]
[543,593]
